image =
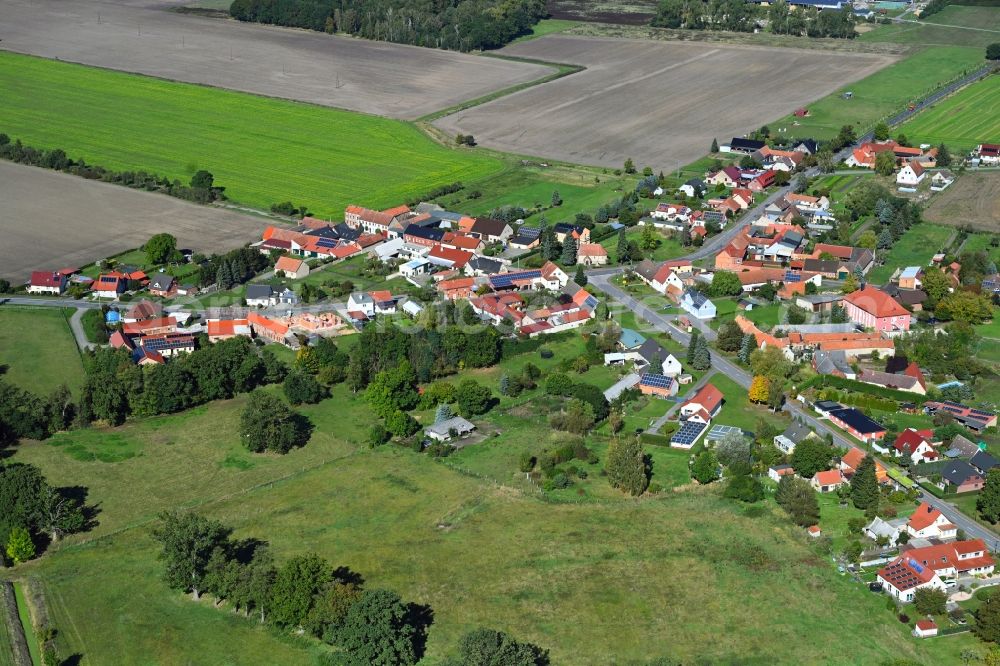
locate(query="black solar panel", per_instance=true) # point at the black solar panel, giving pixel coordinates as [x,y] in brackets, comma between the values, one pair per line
[688,433]
[655,380]
[980,412]
[507,279]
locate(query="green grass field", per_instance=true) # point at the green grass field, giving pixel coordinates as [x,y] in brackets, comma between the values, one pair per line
[948,27]
[561,574]
[884,92]
[915,248]
[38,349]
[963,121]
[262,150]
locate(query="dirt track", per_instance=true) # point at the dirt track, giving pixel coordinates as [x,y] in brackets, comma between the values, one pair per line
[142,36]
[50,220]
[659,103]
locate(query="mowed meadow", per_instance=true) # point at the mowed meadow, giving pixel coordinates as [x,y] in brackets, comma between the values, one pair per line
[261,150]
[963,121]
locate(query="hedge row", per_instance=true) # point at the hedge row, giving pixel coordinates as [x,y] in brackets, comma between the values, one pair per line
[860,387]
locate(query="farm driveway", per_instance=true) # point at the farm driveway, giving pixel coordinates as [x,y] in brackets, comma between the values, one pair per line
[50,220]
[658,103]
[142,36]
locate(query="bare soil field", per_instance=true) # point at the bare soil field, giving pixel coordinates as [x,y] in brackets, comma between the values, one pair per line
[144,37]
[51,220]
[972,200]
[658,103]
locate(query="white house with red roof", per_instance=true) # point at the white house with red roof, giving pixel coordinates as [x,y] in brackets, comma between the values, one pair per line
[291,267]
[45,282]
[948,560]
[911,174]
[929,523]
[917,445]
[703,405]
[827,481]
[873,308]
[902,577]
[109,285]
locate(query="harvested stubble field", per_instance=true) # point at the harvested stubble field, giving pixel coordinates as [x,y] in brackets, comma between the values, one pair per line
[972,200]
[143,36]
[262,150]
[53,219]
[656,102]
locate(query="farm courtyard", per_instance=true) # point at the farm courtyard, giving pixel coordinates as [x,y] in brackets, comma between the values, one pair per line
[659,103]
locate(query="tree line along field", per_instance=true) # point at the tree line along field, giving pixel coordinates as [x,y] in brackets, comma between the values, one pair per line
[262,150]
[964,120]
[883,93]
[597,582]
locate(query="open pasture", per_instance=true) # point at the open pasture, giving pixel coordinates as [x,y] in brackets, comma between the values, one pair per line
[53,219]
[564,575]
[143,36]
[261,150]
[37,349]
[658,103]
[963,121]
[972,200]
[883,93]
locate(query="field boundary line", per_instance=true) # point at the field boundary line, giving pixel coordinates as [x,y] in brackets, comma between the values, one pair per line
[562,70]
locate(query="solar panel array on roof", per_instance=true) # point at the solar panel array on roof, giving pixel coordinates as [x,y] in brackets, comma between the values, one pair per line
[529,232]
[160,344]
[981,412]
[655,380]
[688,433]
[507,279]
[326,242]
[792,277]
[590,302]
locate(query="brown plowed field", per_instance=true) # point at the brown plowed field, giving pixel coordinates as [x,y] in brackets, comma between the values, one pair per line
[972,200]
[50,220]
[658,103]
[142,36]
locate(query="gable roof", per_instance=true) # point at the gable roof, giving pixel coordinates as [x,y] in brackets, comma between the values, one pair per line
[958,472]
[47,279]
[829,477]
[797,431]
[923,517]
[983,461]
[905,574]
[258,291]
[707,396]
[912,438]
[876,302]
[487,226]
[290,264]
[857,420]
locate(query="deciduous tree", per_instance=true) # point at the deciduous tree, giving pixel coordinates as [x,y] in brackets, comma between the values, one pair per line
[268,424]
[379,629]
[188,541]
[488,647]
[758,389]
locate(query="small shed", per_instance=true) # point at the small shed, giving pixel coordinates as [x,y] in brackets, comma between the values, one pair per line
[925,628]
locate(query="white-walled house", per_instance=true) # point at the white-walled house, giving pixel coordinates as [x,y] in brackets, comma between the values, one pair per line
[910,175]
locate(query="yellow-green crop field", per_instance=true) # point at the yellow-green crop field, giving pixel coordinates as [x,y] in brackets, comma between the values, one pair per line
[261,150]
